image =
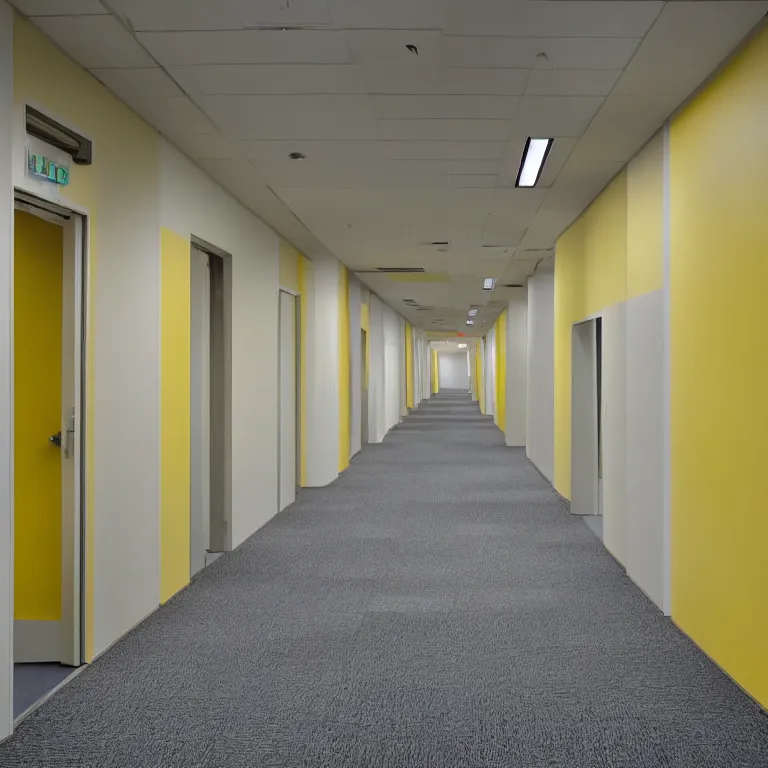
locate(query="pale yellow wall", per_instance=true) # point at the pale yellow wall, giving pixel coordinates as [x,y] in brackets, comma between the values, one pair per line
[500,340]
[289,266]
[645,209]
[119,191]
[719,410]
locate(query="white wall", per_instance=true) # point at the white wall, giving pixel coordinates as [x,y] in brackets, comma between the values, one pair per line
[322,404]
[355,364]
[376,411]
[192,204]
[393,369]
[645,531]
[489,370]
[6,360]
[540,409]
[452,370]
[614,410]
[517,364]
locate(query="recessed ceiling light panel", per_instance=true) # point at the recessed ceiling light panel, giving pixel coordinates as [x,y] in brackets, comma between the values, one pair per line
[534,156]
[488,284]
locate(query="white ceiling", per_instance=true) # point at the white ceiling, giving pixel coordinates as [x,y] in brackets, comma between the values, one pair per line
[403,149]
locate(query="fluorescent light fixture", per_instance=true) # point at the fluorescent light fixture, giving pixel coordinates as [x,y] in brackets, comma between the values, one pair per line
[470,322]
[462,346]
[532,164]
[472,312]
[488,284]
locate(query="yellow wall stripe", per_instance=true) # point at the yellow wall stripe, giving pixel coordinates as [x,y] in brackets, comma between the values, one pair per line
[501,371]
[174,413]
[435,373]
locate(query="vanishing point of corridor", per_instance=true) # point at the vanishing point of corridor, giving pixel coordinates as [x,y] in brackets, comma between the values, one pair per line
[436,606]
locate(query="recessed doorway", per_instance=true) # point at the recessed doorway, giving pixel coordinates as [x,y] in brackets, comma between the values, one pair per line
[210,404]
[48,407]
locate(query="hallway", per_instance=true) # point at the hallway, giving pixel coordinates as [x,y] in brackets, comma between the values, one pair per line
[436,606]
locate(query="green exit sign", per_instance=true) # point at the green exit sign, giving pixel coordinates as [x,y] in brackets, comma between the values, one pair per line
[44,168]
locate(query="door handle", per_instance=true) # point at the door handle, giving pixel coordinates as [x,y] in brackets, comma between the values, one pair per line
[70,431]
[55,439]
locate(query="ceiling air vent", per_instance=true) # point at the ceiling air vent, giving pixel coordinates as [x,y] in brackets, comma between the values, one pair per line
[512,285]
[399,270]
[425,309]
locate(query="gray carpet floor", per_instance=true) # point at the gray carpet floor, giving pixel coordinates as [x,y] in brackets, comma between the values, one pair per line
[435,607]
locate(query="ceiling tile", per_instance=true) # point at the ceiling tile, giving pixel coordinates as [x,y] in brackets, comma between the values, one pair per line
[556,18]
[546,228]
[292,117]
[59,7]
[579,183]
[445,107]
[205,146]
[523,52]
[499,230]
[508,82]
[623,125]
[248,46]
[476,150]
[555,115]
[377,46]
[686,44]
[95,41]
[392,14]
[161,15]
[532,254]
[415,150]
[403,77]
[174,117]
[262,79]
[276,13]
[572,82]
[476,167]
[443,130]
[271,154]
[475,180]
[517,205]
[144,82]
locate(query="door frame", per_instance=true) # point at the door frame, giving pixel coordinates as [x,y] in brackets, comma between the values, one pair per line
[75,223]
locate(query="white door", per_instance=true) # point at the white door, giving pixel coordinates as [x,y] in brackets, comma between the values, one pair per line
[200,403]
[287,389]
[584,420]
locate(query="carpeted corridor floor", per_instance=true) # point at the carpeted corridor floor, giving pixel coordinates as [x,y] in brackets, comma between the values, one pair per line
[437,607]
